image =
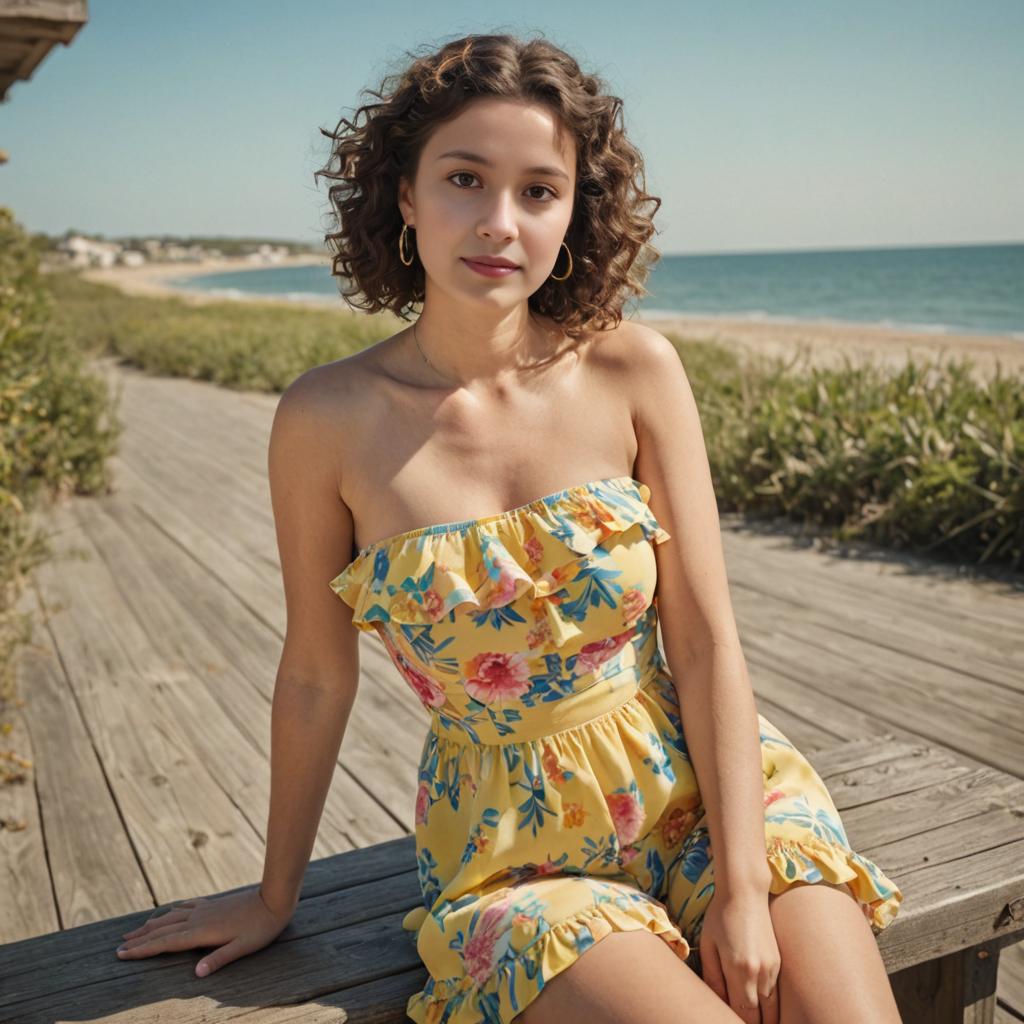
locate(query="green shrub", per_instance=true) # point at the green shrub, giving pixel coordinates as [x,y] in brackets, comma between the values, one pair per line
[55,427]
[921,457]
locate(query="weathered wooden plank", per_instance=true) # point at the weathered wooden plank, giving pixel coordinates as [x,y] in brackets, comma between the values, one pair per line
[336,942]
[74,836]
[27,905]
[893,700]
[391,864]
[185,830]
[196,620]
[904,613]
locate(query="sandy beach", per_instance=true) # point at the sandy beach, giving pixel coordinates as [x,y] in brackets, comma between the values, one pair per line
[820,343]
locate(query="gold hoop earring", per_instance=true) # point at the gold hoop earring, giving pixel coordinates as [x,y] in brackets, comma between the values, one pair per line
[403,239]
[569,271]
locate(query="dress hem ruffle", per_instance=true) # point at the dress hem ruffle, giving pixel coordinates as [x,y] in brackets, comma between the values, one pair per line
[461,1000]
[813,859]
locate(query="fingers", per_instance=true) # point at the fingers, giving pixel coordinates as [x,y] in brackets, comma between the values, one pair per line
[711,969]
[770,1005]
[156,921]
[228,952]
[166,915]
[743,998]
[753,996]
[164,940]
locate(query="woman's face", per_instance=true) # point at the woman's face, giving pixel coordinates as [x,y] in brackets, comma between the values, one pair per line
[498,180]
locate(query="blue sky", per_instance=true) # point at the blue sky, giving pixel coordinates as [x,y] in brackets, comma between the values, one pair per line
[764,127]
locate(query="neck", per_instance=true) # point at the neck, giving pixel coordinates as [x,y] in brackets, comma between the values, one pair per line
[470,346]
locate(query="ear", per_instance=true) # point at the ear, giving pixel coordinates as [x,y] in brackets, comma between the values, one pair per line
[405,202]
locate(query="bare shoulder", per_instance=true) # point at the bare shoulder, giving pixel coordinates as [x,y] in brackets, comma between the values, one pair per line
[328,402]
[636,357]
[334,388]
[632,347]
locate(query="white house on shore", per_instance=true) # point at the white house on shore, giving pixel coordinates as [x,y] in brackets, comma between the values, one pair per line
[86,252]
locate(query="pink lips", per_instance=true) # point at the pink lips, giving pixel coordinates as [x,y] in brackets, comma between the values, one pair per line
[489,269]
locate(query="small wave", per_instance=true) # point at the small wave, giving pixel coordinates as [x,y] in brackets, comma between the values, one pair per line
[311,297]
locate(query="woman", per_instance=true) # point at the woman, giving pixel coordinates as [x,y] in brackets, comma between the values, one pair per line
[558,811]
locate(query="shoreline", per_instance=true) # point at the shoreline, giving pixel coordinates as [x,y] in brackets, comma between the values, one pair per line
[824,344]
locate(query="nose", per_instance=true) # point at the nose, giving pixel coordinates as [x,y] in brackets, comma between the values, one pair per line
[499,219]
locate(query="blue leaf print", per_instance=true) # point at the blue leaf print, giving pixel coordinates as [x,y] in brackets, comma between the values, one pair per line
[533,808]
[663,765]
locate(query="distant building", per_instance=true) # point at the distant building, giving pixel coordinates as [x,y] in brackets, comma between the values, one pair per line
[78,251]
[266,253]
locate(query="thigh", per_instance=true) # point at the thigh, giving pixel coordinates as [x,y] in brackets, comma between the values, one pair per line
[627,978]
[831,967]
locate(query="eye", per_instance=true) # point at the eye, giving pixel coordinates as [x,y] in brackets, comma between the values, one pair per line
[468,174]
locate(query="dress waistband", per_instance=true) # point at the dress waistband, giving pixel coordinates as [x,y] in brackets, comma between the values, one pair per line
[492,726]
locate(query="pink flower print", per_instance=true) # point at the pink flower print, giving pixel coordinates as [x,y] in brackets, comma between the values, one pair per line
[534,550]
[478,952]
[491,676]
[593,655]
[433,604]
[469,782]
[540,634]
[427,689]
[547,868]
[627,853]
[627,815]
[508,575]
[634,604]
[422,804]
[773,795]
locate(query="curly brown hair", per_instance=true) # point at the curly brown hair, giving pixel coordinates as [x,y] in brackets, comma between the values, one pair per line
[607,235]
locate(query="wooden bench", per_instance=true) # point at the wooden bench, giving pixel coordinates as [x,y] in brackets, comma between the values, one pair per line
[949,833]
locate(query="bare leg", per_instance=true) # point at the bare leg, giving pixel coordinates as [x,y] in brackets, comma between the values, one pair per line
[831,969]
[627,978]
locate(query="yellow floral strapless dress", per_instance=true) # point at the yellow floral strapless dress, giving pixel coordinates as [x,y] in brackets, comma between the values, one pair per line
[556,800]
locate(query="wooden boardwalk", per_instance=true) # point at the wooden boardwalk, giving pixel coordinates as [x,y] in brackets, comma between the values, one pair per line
[147,701]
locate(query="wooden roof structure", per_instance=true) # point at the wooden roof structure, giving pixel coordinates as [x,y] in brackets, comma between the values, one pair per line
[29,29]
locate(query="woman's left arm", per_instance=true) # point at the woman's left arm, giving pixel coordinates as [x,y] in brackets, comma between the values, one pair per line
[698,627]
[703,652]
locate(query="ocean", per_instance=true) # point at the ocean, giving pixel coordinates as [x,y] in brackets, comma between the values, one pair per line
[975,289]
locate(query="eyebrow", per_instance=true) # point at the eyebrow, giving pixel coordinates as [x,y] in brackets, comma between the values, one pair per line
[463,154]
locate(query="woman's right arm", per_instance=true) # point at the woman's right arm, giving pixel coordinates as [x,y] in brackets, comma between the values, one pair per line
[318,674]
[313,693]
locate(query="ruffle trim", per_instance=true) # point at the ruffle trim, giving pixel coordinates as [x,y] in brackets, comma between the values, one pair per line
[814,860]
[421,576]
[519,977]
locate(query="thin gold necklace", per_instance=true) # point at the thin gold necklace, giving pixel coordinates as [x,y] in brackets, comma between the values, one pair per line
[416,339]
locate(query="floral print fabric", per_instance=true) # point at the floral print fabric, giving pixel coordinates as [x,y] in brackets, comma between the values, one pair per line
[556,799]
